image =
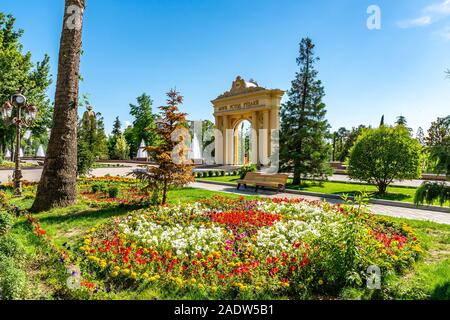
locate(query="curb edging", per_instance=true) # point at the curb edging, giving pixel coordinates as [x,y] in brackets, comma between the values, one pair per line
[390,203]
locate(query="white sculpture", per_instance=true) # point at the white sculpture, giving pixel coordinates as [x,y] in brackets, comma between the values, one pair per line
[40,153]
[142,153]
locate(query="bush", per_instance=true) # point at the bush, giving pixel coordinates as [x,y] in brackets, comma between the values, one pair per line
[113,192]
[205,174]
[222,173]
[12,280]
[10,247]
[383,155]
[210,174]
[245,169]
[429,192]
[96,188]
[6,222]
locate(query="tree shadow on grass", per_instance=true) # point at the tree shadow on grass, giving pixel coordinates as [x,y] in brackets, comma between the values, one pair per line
[441,292]
[88,215]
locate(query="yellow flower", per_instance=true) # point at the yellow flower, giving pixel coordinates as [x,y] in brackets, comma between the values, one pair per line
[320,282]
[115,274]
[201,286]
[145,275]
[125,271]
[134,275]
[214,289]
[193,280]
[117,268]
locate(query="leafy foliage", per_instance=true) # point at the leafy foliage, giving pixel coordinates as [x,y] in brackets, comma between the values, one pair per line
[429,192]
[383,155]
[246,169]
[143,119]
[304,128]
[17,72]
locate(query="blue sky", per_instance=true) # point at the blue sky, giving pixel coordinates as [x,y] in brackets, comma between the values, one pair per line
[200,46]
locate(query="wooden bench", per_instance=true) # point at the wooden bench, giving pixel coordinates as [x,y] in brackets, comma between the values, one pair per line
[277,181]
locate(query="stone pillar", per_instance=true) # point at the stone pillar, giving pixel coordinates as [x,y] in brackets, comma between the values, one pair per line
[225,139]
[265,140]
[218,142]
[255,143]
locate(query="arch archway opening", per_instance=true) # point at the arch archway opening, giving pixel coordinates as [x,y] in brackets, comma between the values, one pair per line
[242,141]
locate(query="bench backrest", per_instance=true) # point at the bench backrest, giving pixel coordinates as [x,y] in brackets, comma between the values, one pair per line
[275,178]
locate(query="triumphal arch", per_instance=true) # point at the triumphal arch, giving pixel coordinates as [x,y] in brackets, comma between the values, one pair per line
[246,101]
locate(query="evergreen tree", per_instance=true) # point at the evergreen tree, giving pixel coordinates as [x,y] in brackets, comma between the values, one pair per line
[382,121]
[169,173]
[304,128]
[117,127]
[101,148]
[86,142]
[401,121]
[115,134]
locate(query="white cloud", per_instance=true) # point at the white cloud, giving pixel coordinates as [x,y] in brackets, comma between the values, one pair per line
[419,22]
[431,14]
[439,8]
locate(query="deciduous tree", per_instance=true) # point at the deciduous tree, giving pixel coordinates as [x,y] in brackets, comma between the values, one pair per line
[383,155]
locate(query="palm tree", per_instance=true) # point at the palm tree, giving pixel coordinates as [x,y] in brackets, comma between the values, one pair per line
[58,182]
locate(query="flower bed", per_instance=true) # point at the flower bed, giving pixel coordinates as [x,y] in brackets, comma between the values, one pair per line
[221,248]
[96,191]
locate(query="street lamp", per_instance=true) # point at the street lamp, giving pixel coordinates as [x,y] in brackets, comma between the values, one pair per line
[17,112]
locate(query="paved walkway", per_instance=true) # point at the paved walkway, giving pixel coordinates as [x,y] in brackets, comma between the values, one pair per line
[415,214]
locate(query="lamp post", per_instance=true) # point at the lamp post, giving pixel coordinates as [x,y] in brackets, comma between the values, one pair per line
[17,112]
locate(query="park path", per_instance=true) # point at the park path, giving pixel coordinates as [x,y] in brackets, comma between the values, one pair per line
[397,212]
[416,214]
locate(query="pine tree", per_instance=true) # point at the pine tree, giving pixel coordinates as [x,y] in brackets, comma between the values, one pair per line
[117,127]
[382,121]
[86,142]
[304,128]
[170,172]
[101,147]
[112,141]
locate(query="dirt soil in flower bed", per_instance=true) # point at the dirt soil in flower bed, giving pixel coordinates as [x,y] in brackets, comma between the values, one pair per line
[245,249]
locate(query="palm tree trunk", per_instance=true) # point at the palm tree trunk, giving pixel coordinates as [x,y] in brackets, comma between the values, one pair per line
[57,187]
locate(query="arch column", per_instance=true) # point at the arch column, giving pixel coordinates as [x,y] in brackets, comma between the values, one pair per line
[255,138]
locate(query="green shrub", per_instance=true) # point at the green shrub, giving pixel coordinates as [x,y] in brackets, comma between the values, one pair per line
[205,174]
[6,222]
[12,280]
[96,188]
[245,169]
[113,192]
[222,173]
[10,247]
[210,174]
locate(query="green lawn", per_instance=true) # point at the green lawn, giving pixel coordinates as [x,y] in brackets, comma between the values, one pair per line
[404,194]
